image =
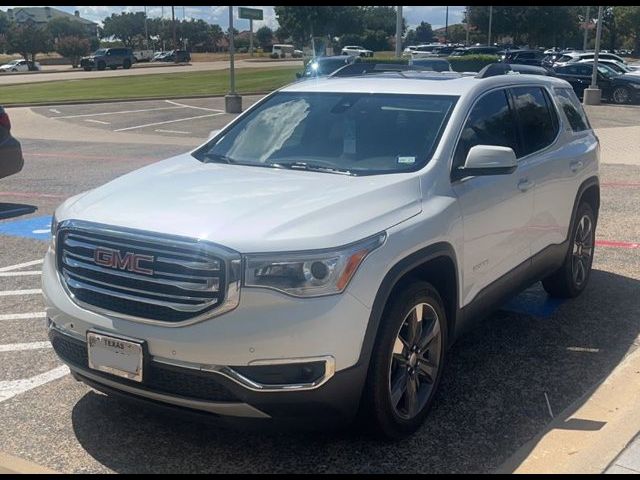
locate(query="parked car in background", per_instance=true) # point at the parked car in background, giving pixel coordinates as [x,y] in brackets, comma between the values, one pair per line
[444,50]
[108,57]
[143,55]
[409,50]
[356,50]
[11,160]
[324,66]
[463,51]
[615,87]
[615,65]
[20,65]
[283,50]
[422,51]
[524,57]
[435,64]
[572,57]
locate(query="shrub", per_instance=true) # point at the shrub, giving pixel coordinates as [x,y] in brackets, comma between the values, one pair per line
[471,63]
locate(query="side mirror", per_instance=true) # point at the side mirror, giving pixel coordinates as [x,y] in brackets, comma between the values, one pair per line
[488,160]
[213,133]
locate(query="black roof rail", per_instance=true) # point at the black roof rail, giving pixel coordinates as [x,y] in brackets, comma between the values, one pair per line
[494,69]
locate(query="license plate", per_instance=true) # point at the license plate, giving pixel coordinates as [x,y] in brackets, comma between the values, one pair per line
[114,355]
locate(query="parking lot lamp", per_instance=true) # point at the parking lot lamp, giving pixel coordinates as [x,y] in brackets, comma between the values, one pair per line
[490,19]
[232,101]
[398,31]
[586,30]
[592,95]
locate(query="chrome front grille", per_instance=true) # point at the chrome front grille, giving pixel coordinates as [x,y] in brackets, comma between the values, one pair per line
[146,277]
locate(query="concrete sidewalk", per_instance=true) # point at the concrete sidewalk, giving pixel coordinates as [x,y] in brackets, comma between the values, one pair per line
[589,436]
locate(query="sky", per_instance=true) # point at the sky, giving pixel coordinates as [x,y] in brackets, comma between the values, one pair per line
[220,15]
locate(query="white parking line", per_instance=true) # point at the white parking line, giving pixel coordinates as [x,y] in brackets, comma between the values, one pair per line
[96,121]
[11,388]
[121,112]
[168,121]
[21,265]
[191,106]
[22,316]
[19,347]
[9,293]
[171,131]
[21,274]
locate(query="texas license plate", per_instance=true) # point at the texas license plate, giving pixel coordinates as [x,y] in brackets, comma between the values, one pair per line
[115,355]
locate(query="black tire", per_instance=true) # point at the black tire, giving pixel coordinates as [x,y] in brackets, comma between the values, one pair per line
[573,276]
[394,364]
[126,64]
[87,69]
[621,95]
[102,65]
[14,69]
[113,67]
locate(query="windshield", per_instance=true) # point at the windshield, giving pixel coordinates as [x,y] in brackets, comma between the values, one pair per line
[324,67]
[607,71]
[14,62]
[101,51]
[355,133]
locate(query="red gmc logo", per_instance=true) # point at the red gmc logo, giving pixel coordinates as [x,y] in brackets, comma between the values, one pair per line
[107,257]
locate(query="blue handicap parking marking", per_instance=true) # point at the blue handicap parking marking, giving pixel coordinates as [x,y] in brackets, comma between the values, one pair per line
[37,228]
[535,302]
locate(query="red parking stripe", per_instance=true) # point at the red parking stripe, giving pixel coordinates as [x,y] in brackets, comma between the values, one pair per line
[615,244]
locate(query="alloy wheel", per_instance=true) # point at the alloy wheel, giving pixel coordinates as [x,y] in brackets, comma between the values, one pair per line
[582,250]
[415,361]
[621,95]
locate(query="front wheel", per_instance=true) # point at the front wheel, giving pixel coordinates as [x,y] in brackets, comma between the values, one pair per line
[407,361]
[621,95]
[572,277]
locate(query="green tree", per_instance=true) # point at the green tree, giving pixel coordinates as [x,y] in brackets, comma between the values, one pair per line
[124,26]
[381,18]
[424,32]
[28,40]
[410,38]
[4,23]
[301,22]
[264,36]
[628,20]
[65,27]
[73,47]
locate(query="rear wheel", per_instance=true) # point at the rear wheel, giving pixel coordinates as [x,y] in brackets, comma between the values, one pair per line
[126,64]
[572,277]
[407,361]
[621,95]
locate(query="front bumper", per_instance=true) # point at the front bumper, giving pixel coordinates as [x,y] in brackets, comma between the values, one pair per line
[224,353]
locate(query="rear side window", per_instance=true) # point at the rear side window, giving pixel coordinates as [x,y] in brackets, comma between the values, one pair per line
[537,119]
[489,123]
[572,109]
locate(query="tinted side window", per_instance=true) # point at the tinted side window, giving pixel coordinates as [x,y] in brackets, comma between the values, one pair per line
[572,109]
[538,122]
[489,123]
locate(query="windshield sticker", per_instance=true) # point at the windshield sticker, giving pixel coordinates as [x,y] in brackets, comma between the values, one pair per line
[407,160]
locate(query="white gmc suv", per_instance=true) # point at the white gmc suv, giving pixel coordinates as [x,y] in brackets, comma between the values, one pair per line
[317,257]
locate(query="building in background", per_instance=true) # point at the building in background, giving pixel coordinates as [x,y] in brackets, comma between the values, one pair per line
[41,16]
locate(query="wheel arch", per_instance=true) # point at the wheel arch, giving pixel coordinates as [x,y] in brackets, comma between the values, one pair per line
[436,264]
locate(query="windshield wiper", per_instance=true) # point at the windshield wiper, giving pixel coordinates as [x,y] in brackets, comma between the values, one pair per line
[217,158]
[312,167]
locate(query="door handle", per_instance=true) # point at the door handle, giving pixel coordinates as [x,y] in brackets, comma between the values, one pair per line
[525,184]
[576,165]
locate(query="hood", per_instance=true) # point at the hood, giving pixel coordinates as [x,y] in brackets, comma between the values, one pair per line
[630,77]
[250,209]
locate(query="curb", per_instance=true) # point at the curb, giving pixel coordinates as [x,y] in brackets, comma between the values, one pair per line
[122,100]
[14,465]
[591,432]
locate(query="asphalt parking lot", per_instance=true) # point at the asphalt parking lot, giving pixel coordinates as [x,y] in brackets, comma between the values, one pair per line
[495,387]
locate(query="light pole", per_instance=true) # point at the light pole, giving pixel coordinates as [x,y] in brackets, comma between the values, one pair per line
[446,25]
[466,15]
[398,31]
[490,19]
[175,45]
[592,95]
[586,30]
[232,101]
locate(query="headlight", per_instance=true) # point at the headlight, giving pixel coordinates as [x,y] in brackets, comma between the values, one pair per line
[309,274]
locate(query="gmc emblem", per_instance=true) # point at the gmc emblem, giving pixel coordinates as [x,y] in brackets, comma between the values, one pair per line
[107,257]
